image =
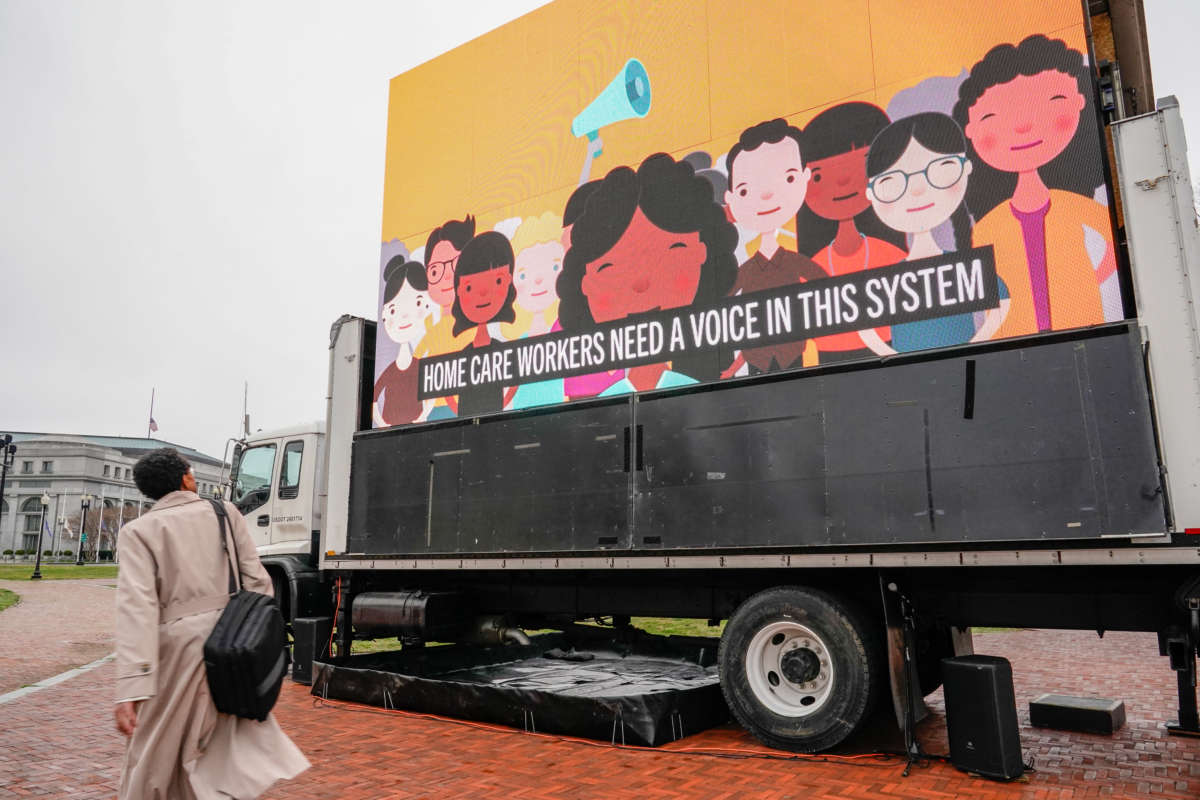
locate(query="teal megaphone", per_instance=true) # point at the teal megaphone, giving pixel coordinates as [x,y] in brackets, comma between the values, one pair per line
[626,97]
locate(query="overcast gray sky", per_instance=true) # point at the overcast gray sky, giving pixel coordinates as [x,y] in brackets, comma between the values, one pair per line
[190,193]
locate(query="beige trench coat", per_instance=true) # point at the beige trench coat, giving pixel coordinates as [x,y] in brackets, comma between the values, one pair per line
[171,587]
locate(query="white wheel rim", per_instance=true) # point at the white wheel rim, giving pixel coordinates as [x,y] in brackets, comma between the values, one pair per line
[804,686]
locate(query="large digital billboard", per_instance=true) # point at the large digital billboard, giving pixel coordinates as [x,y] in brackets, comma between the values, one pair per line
[605,198]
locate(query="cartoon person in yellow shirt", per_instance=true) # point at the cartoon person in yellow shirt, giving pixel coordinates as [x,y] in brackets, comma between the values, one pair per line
[1025,111]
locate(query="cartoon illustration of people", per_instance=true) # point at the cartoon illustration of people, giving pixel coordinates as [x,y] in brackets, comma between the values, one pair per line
[1025,112]
[483,293]
[648,240]
[768,181]
[837,226]
[442,250]
[539,254]
[406,310]
[579,386]
[917,178]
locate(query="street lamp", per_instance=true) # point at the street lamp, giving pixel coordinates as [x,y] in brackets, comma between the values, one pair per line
[8,451]
[37,565]
[85,502]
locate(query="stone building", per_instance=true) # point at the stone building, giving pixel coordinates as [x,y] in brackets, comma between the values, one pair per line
[67,466]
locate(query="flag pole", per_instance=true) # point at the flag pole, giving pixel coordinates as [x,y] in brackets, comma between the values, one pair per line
[151,420]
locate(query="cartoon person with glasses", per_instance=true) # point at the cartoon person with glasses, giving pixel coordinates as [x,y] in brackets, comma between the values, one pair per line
[917,177]
[442,249]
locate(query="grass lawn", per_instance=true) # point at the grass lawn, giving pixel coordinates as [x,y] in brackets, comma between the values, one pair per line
[666,626]
[8,598]
[22,571]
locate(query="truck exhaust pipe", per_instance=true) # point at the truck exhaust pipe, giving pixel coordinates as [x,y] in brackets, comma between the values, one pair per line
[429,617]
[494,629]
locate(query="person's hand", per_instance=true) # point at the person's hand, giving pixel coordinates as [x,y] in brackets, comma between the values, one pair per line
[126,714]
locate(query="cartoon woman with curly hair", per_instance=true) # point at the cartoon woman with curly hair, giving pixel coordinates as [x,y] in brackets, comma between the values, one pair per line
[648,240]
[1032,134]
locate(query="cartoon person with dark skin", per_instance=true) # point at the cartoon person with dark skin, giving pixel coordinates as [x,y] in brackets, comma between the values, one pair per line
[648,240]
[837,225]
[578,386]
[768,181]
[442,250]
[1025,111]
[483,293]
[406,307]
[918,175]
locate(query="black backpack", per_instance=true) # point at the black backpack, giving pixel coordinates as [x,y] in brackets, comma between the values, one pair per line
[245,656]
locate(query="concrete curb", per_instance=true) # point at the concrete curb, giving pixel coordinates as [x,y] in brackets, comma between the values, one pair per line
[17,694]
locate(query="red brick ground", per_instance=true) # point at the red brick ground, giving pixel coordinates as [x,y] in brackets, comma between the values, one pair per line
[55,626]
[60,742]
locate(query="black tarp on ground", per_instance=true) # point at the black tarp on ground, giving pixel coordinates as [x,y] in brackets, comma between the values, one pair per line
[637,689]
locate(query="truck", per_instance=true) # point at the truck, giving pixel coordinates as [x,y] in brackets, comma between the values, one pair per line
[850,521]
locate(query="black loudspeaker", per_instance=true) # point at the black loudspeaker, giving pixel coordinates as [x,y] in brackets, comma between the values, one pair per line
[310,636]
[981,716]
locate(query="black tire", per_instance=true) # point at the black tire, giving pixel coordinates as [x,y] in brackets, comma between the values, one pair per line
[835,635]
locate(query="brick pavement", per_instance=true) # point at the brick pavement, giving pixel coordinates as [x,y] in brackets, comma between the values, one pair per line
[56,625]
[370,753]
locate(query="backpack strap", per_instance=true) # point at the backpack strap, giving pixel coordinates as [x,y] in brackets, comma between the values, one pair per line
[222,520]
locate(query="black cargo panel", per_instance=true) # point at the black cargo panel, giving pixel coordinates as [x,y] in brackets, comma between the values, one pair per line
[1045,442]
[1049,441]
[552,480]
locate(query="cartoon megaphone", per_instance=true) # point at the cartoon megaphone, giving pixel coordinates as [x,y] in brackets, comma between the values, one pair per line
[626,97]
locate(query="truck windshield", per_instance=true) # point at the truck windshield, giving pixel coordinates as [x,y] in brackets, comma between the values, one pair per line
[253,485]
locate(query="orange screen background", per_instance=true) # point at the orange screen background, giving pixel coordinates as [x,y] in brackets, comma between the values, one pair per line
[485,128]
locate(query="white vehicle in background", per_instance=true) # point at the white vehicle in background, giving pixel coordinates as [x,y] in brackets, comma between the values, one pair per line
[274,484]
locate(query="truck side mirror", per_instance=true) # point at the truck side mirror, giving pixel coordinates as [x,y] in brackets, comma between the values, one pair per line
[238,449]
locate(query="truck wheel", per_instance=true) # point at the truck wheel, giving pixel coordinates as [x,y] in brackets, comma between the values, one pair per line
[800,669]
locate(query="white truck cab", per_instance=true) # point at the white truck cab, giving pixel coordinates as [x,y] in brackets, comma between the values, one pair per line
[274,483]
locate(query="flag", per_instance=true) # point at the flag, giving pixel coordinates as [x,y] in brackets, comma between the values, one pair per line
[153,425]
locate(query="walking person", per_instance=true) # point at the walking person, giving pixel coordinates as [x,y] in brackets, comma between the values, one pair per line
[171,589]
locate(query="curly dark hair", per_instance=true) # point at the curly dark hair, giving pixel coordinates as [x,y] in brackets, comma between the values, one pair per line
[672,197]
[754,137]
[160,472]
[1035,54]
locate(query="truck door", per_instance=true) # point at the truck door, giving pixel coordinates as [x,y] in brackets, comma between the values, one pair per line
[293,498]
[252,489]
